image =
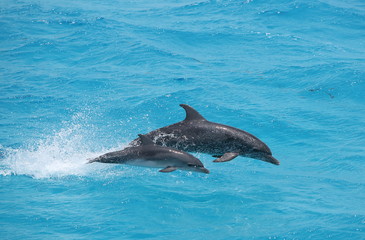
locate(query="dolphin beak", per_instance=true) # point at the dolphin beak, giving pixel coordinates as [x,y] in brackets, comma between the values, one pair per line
[270,159]
[204,170]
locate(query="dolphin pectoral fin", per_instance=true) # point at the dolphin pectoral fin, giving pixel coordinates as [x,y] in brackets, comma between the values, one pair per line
[168,169]
[226,157]
[217,156]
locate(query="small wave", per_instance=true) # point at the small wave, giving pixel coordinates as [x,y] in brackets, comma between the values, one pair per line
[63,154]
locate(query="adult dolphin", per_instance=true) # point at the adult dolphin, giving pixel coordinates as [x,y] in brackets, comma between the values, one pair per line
[196,134]
[148,154]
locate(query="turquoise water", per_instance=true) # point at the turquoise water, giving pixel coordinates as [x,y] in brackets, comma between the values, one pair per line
[81,78]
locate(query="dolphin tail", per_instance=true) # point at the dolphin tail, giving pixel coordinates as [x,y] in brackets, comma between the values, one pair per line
[91,160]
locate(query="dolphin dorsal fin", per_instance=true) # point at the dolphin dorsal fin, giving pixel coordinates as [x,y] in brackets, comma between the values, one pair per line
[191,113]
[145,140]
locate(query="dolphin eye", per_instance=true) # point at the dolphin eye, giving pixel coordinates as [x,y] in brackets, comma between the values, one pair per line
[191,165]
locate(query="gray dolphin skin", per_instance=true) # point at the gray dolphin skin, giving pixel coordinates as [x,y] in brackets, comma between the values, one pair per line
[148,154]
[196,134]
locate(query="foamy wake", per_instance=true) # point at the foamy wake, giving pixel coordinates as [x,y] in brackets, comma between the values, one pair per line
[63,154]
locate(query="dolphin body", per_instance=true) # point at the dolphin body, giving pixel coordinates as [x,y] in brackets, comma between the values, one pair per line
[148,154]
[196,134]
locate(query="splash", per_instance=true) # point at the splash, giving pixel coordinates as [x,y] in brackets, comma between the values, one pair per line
[63,154]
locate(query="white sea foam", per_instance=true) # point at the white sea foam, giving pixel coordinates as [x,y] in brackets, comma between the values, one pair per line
[63,154]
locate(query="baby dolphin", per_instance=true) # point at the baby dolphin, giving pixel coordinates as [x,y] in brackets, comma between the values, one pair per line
[196,134]
[148,154]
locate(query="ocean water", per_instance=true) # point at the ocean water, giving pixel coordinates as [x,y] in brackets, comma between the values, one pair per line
[82,78]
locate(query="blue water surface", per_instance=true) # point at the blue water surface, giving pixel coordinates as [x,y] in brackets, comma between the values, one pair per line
[82,78]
